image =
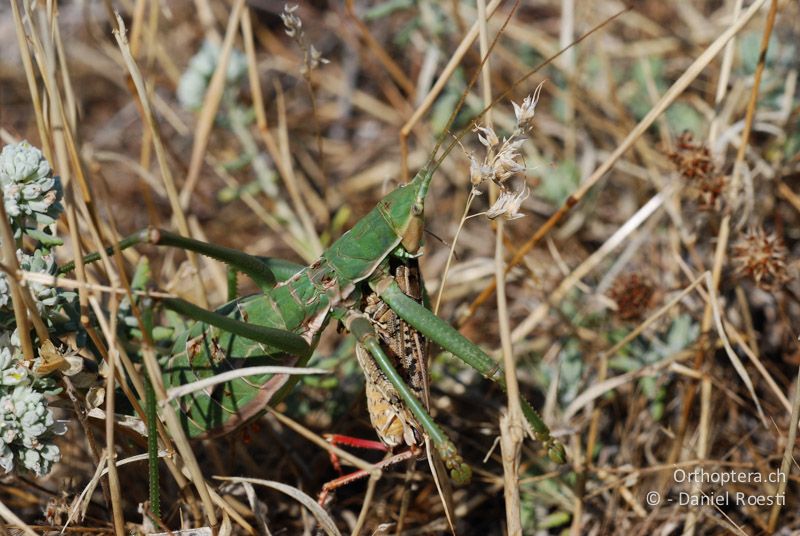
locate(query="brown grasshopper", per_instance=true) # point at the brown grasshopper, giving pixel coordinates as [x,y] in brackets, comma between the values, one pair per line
[394,423]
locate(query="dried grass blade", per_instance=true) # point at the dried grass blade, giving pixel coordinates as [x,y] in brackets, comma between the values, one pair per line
[322,516]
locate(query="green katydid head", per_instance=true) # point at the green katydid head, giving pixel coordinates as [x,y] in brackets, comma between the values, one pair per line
[405,208]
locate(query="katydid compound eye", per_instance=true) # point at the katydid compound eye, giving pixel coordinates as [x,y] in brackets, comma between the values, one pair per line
[417,209]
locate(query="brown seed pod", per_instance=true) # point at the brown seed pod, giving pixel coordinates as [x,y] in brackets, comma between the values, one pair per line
[633,294]
[761,256]
[693,161]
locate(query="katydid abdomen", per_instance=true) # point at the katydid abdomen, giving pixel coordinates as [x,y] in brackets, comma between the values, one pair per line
[206,350]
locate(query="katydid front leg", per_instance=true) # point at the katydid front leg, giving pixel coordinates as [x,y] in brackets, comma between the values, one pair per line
[444,335]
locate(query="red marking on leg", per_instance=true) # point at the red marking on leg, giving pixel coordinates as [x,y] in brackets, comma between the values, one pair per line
[356,442]
[335,439]
[361,473]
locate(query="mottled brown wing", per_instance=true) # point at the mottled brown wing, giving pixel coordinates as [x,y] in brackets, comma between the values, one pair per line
[408,350]
[406,347]
[403,344]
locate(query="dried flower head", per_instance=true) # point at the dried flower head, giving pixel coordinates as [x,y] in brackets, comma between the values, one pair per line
[694,163]
[525,112]
[487,136]
[293,26]
[633,294]
[762,257]
[503,160]
[507,204]
[478,174]
[498,166]
[292,23]
[315,58]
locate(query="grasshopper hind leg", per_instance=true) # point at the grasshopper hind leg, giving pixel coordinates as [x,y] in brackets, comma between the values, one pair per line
[460,472]
[361,473]
[392,422]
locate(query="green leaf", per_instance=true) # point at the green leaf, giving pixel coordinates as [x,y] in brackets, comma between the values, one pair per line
[46,240]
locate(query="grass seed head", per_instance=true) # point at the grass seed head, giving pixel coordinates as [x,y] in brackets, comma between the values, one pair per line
[503,160]
[292,23]
[293,26]
[508,203]
[525,112]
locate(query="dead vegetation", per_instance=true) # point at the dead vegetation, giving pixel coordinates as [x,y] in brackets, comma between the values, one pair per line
[651,294]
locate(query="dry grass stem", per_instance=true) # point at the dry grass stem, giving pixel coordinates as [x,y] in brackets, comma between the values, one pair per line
[166,174]
[788,456]
[641,225]
[668,98]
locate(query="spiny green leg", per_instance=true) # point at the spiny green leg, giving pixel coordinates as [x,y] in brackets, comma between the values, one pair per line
[243,262]
[460,472]
[444,335]
[259,269]
[284,341]
[279,268]
[135,239]
[282,269]
[232,283]
[256,268]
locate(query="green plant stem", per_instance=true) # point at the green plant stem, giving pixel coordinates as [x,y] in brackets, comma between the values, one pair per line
[152,424]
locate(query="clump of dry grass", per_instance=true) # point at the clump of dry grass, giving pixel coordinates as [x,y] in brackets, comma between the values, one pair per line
[635,396]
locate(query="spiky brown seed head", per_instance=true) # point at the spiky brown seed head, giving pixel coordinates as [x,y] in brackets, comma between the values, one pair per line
[693,161]
[762,256]
[633,294]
